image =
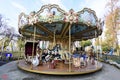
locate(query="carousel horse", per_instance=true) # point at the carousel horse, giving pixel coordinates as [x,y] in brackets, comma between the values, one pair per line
[35,61]
[57,48]
[48,57]
[67,56]
[54,53]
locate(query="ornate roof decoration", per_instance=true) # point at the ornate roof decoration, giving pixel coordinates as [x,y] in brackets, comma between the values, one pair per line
[52,15]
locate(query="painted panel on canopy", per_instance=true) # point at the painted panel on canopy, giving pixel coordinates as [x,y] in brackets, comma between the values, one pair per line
[89,33]
[23,21]
[87,17]
[54,14]
[78,28]
[58,16]
[43,16]
[54,26]
[38,31]
[99,32]
[86,35]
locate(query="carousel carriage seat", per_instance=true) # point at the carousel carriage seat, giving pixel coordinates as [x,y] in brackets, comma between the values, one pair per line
[28,50]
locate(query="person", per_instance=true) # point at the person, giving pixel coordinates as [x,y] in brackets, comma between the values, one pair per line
[56,55]
[8,56]
[44,54]
[106,53]
[75,52]
[38,52]
[57,48]
[92,58]
[83,59]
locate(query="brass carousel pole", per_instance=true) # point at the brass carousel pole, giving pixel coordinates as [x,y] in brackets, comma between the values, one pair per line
[71,18]
[33,45]
[54,39]
[100,47]
[20,43]
[98,53]
[20,51]
[70,46]
[96,46]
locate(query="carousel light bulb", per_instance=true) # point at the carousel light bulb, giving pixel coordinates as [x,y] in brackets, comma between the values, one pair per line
[50,21]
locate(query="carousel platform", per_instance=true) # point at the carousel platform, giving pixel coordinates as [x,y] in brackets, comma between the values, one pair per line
[60,68]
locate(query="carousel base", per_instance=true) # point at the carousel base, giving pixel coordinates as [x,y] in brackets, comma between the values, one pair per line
[60,68]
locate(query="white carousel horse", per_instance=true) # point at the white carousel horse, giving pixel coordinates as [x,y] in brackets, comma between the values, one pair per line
[67,56]
[35,61]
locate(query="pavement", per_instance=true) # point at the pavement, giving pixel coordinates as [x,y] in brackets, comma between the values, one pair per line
[10,71]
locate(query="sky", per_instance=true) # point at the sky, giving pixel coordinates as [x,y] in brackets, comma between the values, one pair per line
[10,9]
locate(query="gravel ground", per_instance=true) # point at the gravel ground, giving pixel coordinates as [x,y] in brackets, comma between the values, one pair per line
[10,71]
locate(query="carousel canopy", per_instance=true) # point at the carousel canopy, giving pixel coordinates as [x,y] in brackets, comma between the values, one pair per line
[51,20]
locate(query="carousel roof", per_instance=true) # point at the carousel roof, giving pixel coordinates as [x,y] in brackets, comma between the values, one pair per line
[51,19]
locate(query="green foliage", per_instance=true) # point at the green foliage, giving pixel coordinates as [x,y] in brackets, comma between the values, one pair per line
[86,43]
[105,48]
[111,24]
[21,44]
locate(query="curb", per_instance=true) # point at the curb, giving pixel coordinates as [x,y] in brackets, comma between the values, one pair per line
[111,63]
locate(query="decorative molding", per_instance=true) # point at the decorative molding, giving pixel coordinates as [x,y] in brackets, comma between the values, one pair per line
[52,13]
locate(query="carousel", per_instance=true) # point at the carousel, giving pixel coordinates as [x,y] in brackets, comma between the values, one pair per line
[60,29]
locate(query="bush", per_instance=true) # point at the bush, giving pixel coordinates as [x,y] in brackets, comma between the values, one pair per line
[86,43]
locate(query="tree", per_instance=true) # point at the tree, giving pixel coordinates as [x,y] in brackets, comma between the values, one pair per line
[7,32]
[105,46]
[112,23]
[20,43]
[0,20]
[86,43]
